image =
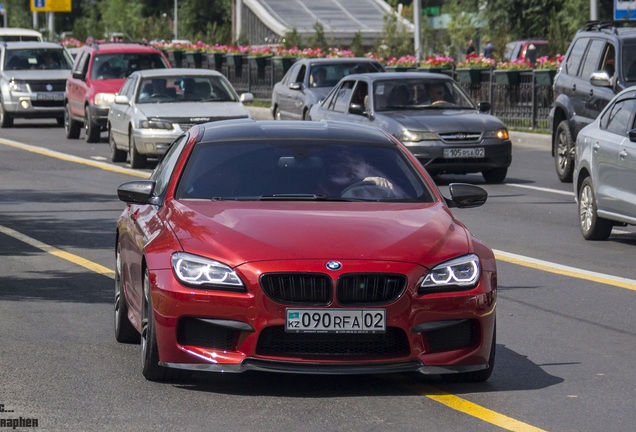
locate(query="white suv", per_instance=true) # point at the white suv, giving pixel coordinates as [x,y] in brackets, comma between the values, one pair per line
[32,81]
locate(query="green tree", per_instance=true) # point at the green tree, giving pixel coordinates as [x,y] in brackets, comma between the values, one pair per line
[356,45]
[319,39]
[462,26]
[397,41]
[293,39]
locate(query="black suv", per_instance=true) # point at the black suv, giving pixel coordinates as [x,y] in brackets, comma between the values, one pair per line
[600,62]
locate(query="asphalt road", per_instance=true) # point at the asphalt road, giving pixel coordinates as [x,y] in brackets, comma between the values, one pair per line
[566,321]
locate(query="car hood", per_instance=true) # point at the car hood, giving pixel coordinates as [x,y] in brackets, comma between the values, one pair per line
[37,75]
[240,232]
[444,120]
[194,109]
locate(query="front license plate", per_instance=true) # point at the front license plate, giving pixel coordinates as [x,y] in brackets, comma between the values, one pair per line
[335,320]
[451,153]
[51,96]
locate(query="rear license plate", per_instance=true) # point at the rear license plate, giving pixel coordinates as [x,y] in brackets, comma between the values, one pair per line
[451,153]
[335,320]
[50,96]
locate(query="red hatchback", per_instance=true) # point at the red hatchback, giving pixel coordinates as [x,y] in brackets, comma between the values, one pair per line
[319,247]
[98,73]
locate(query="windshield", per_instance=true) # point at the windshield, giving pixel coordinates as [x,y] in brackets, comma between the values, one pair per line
[415,93]
[183,88]
[629,61]
[300,170]
[328,75]
[120,65]
[49,58]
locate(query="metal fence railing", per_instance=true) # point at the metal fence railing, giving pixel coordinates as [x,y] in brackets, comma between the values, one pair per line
[523,103]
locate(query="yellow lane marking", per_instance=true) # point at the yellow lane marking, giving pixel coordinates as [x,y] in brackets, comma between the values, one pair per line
[559,269]
[65,157]
[477,411]
[82,262]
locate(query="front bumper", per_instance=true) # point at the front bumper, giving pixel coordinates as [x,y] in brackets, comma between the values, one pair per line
[155,142]
[35,105]
[498,154]
[224,331]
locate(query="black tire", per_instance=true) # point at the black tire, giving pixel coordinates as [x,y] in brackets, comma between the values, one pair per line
[116,155]
[137,160]
[563,152]
[276,113]
[306,114]
[591,225]
[495,175]
[72,128]
[149,347]
[6,121]
[92,130]
[480,375]
[125,332]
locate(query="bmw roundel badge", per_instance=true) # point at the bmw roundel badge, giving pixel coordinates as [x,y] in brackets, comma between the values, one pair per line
[334,265]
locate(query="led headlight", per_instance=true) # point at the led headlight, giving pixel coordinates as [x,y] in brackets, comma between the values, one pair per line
[501,134]
[458,273]
[18,86]
[414,136]
[154,124]
[205,273]
[104,99]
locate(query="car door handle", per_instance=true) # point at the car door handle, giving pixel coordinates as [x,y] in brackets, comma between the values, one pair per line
[573,87]
[623,154]
[596,146]
[591,92]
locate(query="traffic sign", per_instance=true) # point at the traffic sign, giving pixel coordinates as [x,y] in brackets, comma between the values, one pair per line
[50,5]
[624,10]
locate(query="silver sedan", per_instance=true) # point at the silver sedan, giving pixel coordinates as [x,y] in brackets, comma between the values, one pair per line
[155,106]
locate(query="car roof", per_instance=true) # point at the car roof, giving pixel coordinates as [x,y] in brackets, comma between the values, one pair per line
[118,47]
[176,71]
[15,31]
[31,45]
[294,131]
[397,76]
[336,60]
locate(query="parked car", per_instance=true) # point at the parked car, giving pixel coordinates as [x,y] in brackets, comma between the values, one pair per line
[310,80]
[32,80]
[600,62]
[430,114]
[98,73]
[155,106]
[528,49]
[14,34]
[605,168]
[301,247]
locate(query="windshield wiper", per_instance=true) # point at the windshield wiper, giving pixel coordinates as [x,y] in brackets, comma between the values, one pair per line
[300,197]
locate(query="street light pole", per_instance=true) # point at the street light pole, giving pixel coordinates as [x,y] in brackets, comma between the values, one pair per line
[417,32]
[176,34]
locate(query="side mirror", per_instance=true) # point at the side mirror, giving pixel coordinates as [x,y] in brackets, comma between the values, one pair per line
[121,100]
[484,106]
[601,79]
[246,97]
[466,195]
[632,135]
[137,192]
[78,75]
[357,109]
[296,86]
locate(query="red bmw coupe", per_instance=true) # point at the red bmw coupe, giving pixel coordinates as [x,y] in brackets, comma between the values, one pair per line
[306,247]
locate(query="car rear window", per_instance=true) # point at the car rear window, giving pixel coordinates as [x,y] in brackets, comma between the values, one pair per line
[270,169]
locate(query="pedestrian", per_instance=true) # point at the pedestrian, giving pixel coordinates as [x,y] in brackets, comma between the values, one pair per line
[488,49]
[470,50]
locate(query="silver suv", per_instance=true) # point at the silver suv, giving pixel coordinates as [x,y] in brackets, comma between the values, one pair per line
[32,81]
[605,169]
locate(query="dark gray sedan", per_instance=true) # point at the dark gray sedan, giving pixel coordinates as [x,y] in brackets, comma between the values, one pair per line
[310,80]
[430,114]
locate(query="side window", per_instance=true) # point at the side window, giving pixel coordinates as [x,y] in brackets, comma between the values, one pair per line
[300,77]
[576,55]
[617,119]
[609,60]
[342,97]
[162,173]
[81,63]
[361,95]
[593,58]
[290,73]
